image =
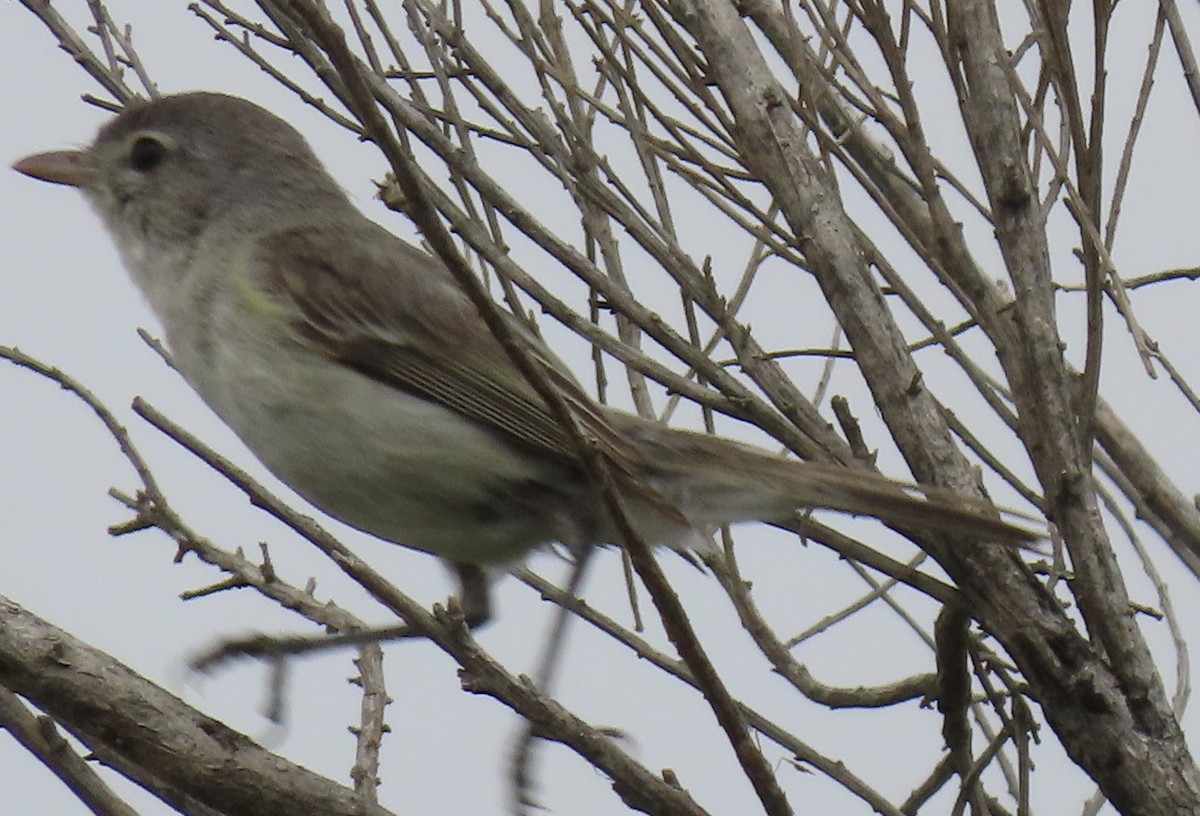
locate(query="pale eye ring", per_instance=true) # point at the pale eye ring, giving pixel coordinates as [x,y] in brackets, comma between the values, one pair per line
[146,153]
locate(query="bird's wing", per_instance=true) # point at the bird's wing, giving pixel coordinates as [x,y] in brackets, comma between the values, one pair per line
[393,313]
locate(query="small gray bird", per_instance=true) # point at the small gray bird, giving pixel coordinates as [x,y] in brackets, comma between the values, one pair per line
[353,365]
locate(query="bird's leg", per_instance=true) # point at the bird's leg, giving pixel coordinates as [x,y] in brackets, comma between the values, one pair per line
[474,594]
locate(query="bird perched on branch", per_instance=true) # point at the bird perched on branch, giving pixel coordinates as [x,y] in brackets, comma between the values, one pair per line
[356,368]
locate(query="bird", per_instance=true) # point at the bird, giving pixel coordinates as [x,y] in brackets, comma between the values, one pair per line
[356,368]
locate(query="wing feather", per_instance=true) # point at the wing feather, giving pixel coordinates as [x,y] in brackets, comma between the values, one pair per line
[398,317]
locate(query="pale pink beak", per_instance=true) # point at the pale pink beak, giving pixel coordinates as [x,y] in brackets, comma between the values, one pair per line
[71,167]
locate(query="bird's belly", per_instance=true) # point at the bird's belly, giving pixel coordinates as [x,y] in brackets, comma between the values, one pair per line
[393,464]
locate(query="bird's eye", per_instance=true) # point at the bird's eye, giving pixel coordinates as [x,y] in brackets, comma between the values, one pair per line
[146,153]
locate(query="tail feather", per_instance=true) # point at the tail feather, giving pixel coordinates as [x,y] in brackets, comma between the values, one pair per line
[717,481]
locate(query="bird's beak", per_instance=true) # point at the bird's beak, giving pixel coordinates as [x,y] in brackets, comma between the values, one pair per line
[71,167]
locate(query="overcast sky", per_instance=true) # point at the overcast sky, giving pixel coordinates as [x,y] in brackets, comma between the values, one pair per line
[65,299]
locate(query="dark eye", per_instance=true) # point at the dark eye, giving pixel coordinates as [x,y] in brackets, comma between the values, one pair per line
[146,154]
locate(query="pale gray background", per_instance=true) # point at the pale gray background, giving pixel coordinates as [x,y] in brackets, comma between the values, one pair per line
[64,298]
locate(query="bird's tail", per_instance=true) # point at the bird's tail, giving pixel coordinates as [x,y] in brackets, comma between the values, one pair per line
[716,481]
